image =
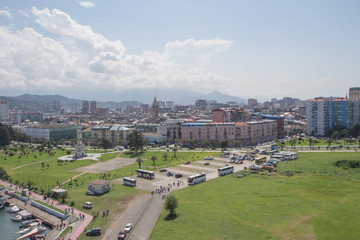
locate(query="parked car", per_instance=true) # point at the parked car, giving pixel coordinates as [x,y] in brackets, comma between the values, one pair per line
[89,193]
[87,205]
[94,232]
[206,163]
[209,158]
[169,174]
[187,162]
[178,175]
[128,227]
[163,170]
[122,234]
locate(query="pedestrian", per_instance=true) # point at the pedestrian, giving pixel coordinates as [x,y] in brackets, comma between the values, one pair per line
[97,214]
[57,226]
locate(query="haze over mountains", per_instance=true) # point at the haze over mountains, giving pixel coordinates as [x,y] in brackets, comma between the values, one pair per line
[121,99]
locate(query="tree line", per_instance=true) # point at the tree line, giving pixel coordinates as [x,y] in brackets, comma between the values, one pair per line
[8,134]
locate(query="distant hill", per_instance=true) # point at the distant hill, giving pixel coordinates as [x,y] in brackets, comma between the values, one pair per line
[33,102]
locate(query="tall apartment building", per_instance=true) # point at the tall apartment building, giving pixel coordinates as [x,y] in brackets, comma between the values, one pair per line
[93,107]
[252,102]
[4,110]
[85,107]
[354,94]
[323,114]
[169,104]
[317,117]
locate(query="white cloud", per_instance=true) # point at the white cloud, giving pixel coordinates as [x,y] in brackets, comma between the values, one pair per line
[23,13]
[77,58]
[86,4]
[6,13]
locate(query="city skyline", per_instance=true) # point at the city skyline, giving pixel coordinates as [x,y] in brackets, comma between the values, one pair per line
[245,49]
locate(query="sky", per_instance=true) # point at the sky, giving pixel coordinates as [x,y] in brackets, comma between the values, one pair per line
[249,49]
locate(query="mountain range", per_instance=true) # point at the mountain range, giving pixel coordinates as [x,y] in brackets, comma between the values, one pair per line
[34,102]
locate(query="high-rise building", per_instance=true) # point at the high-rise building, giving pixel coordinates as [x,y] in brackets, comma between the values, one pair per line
[4,110]
[252,102]
[145,108]
[317,117]
[85,107]
[155,109]
[201,104]
[93,106]
[354,94]
[170,104]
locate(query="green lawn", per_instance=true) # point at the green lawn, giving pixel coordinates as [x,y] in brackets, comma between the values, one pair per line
[47,176]
[320,201]
[8,162]
[115,201]
[107,156]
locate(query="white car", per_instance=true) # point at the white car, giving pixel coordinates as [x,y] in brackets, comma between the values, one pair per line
[128,227]
[87,205]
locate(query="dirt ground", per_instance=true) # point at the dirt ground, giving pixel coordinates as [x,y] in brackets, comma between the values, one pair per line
[109,165]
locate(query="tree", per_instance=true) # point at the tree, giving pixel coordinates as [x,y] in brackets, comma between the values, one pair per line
[135,140]
[106,144]
[171,204]
[174,150]
[335,135]
[205,143]
[224,144]
[139,161]
[153,158]
[4,136]
[329,141]
[311,141]
[165,156]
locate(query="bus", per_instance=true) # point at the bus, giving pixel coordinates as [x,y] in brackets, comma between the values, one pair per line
[129,182]
[225,170]
[198,178]
[145,174]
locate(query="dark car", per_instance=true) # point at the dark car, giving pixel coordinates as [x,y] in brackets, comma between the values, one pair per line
[122,234]
[93,232]
[169,174]
[206,163]
[163,170]
[178,175]
[187,162]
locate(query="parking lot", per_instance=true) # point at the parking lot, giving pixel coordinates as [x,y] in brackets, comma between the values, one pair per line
[211,170]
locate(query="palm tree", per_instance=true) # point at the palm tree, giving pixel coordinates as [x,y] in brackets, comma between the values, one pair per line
[153,158]
[329,141]
[311,141]
[139,161]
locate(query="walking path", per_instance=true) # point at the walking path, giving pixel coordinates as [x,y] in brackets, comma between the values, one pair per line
[68,180]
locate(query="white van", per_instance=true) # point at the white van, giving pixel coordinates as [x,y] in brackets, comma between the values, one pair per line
[87,205]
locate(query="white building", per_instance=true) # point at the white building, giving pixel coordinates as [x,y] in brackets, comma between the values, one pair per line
[317,117]
[4,110]
[99,186]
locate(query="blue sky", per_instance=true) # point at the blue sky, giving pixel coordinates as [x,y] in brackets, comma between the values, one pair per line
[259,49]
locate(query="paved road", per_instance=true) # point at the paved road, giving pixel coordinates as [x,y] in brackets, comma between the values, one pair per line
[132,215]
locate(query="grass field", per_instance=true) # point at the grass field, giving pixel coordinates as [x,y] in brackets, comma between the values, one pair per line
[115,201]
[8,162]
[43,177]
[320,201]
